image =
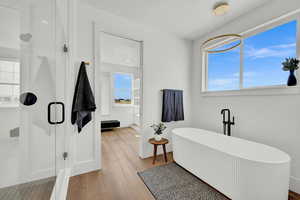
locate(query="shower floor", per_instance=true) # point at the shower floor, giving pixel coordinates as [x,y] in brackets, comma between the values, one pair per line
[36,190]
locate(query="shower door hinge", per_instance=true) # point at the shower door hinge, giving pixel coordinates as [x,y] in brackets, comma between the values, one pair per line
[65,48]
[65,155]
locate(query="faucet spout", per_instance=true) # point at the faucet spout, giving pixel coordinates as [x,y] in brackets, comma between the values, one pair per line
[227,123]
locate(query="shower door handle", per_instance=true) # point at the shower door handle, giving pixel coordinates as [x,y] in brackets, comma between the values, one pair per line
[63,112]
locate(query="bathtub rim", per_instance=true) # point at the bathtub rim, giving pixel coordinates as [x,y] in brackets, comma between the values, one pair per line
[286,161]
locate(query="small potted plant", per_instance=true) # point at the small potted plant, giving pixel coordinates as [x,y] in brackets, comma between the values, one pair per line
[158,130]
[291,64]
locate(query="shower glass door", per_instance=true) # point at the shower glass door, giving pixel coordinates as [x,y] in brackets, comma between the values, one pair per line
[31,106]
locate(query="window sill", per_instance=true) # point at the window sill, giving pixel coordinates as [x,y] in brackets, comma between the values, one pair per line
[280,90]
[123,105]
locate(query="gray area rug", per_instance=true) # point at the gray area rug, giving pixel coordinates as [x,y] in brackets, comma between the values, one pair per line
[36,190]
[172,182]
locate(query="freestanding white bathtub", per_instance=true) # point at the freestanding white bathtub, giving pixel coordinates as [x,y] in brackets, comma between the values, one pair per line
[240,169]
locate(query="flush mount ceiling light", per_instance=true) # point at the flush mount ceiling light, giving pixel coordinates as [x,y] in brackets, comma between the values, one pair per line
[221,8]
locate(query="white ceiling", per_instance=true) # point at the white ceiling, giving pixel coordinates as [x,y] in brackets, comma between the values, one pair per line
[185,18]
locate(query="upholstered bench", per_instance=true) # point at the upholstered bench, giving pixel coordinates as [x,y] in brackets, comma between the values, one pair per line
[109,124]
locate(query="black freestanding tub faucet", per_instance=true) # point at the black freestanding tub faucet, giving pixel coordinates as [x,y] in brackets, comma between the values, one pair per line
[227,123]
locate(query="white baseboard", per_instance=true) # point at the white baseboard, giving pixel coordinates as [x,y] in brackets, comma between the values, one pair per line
[295,184]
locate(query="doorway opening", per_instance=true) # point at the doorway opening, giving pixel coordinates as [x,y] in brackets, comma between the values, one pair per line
[121,87]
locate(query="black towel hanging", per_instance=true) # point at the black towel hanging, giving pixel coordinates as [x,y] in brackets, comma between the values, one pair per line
[83,100]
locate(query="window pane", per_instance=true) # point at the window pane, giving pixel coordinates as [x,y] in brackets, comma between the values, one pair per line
[123,88]
[6,66]
[9,82]
[264,54]
[6,91]
[6,77]
[6,94]
[9,72]
[224,69]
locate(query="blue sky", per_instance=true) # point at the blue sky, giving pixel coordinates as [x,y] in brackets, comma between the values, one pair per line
[263,55]
[123,86]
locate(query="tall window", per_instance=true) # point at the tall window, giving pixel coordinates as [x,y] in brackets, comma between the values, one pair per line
[9,82]
[264,53]
[260,66]
[123,88]
[224,70]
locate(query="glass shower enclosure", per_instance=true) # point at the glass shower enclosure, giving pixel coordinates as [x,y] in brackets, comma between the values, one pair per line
[32,64]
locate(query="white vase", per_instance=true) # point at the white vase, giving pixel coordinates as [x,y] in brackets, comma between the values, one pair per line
[157,137]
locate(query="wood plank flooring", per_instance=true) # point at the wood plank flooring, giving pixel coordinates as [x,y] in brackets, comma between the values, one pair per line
[118,179]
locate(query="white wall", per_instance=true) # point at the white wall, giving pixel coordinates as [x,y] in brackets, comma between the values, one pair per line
[166,65]
[272,120]
[124,114]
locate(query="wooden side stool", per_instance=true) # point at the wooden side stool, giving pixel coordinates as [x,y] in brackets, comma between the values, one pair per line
[155,143]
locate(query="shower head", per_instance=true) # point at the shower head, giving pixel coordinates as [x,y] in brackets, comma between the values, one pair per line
[25,37]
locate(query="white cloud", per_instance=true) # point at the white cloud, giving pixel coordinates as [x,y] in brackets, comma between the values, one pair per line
[282,50]
[285,45]
[246,74]
[223,82]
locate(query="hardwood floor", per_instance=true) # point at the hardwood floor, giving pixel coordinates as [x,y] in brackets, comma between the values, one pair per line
[118,179]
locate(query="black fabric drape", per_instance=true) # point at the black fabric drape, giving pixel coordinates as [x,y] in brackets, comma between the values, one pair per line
[83,100]
[172,107]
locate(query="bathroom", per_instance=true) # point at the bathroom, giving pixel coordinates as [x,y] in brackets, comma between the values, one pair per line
[172,33]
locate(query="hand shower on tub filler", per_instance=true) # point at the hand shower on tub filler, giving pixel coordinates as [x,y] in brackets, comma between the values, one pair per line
[227,123]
